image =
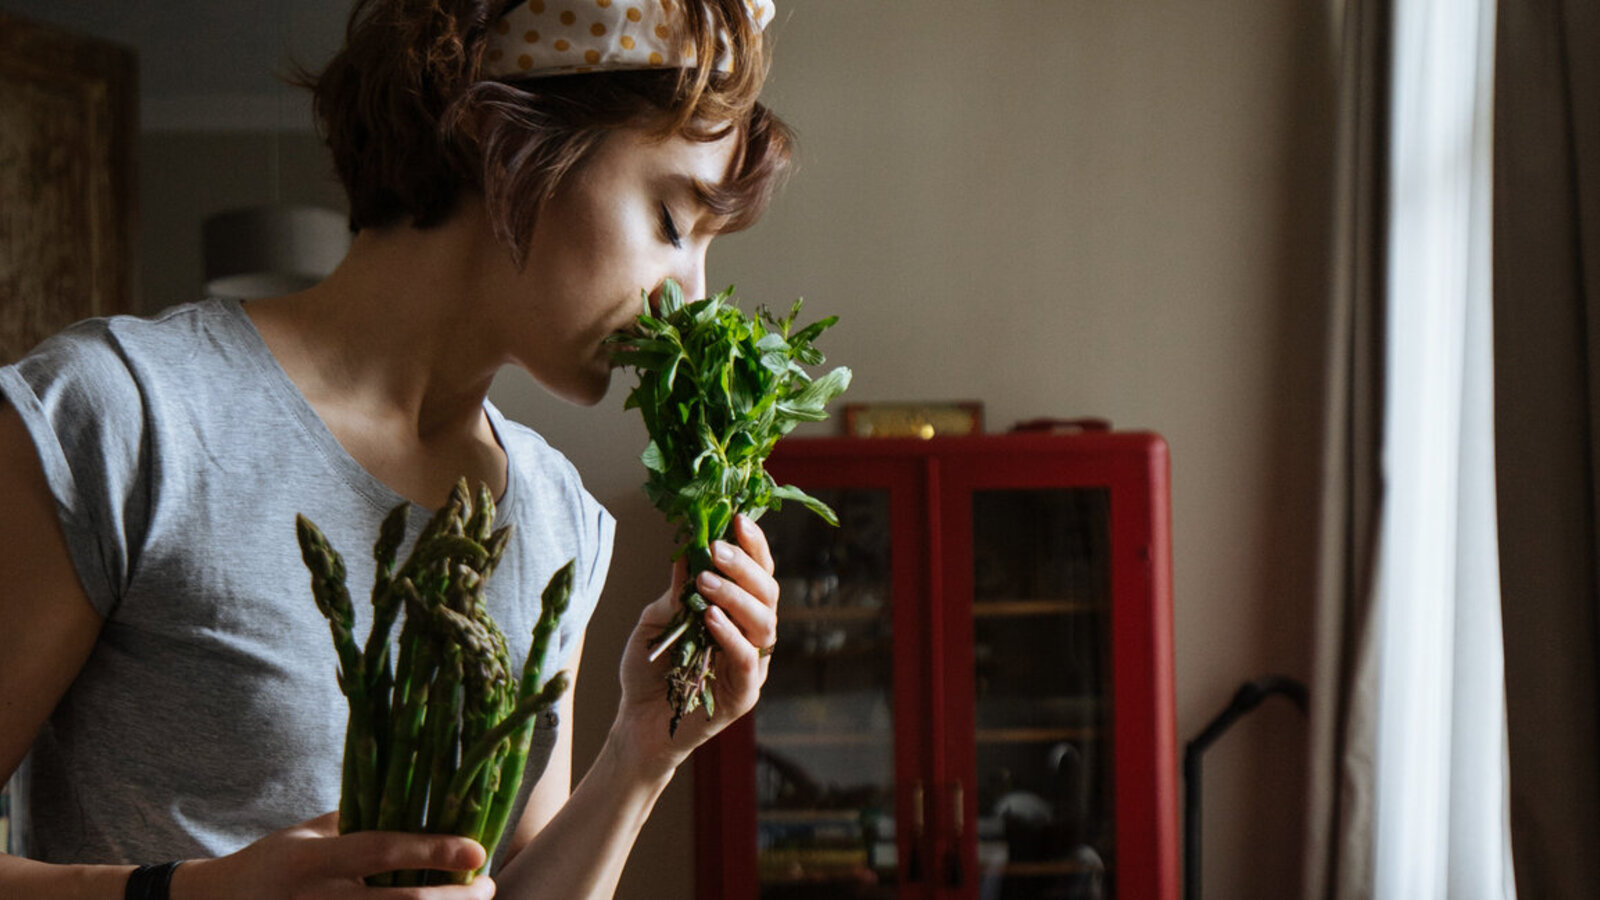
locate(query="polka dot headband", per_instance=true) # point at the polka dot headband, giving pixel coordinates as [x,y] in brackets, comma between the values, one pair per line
[554,37]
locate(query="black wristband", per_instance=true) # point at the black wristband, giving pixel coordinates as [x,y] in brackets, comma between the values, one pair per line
[150,882]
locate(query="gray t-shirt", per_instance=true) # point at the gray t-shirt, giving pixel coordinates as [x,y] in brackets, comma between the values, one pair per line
[208,713]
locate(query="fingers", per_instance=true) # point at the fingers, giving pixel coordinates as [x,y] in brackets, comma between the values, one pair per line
[751,600]
[481,888]
[743,590]
[749,563]
[364,853]
[325,825]
[754,542]
[658,612]
[311,859]
[743,659]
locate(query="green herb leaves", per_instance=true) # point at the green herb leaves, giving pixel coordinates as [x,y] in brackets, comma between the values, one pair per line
[717,390]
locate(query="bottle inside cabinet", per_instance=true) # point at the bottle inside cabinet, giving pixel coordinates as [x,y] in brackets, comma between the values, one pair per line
[1041,618]
[824,727]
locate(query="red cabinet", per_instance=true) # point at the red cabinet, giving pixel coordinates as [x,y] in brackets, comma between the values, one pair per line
[971,695]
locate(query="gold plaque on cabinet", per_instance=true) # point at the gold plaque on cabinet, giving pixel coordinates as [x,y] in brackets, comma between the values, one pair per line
[918,420]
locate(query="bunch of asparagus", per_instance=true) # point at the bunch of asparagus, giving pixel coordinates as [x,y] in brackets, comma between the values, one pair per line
[717,389]
[439,730]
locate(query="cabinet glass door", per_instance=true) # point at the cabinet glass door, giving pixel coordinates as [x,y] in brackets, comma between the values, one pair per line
[1042,666]
[824,729]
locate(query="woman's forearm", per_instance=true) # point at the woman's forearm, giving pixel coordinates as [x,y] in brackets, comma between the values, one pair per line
[21,877]
[580,854]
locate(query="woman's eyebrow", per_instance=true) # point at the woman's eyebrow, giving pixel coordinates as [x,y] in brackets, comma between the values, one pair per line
[716,199]
[693,187]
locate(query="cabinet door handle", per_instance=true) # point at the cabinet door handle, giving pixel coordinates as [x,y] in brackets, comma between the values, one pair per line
[953,875]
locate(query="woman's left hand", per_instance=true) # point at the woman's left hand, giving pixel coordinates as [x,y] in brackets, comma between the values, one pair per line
[743,618]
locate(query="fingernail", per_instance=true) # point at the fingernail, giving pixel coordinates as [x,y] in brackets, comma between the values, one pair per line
[709,581]
[718,615]
[722,552]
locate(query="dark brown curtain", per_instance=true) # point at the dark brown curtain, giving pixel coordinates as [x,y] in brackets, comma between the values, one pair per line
[1339,859]
[1547,410]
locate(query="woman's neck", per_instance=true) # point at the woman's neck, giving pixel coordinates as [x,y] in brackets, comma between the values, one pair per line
[392,355]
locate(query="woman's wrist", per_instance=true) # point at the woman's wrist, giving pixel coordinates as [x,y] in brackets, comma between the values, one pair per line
[20,877]
[151,881]
[189,882]
[640,758]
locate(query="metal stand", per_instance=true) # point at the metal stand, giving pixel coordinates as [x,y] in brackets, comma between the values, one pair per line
[1247,698]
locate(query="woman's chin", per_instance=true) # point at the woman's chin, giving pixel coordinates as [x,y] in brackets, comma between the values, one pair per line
[582,385]
[592,389]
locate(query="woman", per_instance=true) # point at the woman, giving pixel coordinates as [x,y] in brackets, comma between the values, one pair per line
[517,178]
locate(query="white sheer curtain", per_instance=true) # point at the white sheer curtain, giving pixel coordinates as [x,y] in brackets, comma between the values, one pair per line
[1441,823]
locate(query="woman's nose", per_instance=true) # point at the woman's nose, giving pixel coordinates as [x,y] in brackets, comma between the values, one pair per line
[691,280]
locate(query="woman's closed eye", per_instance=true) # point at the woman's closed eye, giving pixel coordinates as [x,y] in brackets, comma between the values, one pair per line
[669,227]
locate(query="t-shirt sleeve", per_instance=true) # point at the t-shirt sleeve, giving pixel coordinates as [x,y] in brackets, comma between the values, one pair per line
[598,529]
[84,412]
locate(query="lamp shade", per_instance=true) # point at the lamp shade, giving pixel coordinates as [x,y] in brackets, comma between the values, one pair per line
[263,251]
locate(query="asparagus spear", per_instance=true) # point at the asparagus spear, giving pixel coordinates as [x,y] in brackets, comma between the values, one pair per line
[328,589]
[440,724]
[717,389]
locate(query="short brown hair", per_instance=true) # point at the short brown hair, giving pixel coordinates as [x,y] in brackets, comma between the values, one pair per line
[411,124]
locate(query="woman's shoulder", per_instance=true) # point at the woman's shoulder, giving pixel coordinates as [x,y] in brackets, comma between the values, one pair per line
[120,369]
[544,469]
[186,329]
[94,385]
[106,340]
[80,368]
[532,456]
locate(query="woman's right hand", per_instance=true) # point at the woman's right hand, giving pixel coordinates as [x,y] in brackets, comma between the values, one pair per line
[312,861]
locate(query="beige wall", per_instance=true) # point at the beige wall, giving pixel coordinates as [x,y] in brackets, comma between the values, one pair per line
[186,176]
[1058,208]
